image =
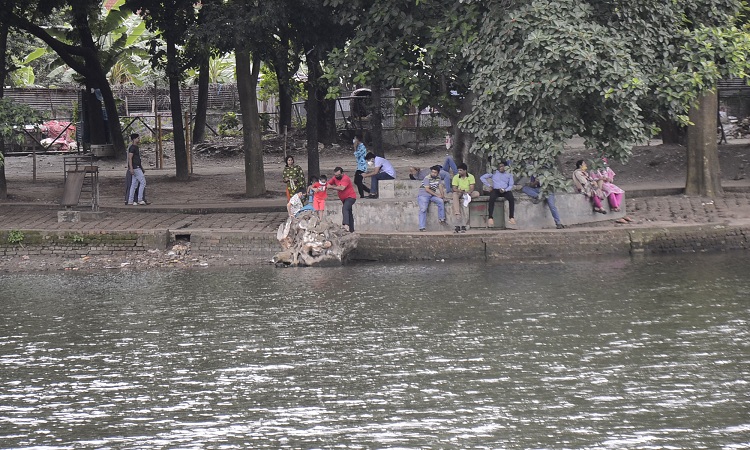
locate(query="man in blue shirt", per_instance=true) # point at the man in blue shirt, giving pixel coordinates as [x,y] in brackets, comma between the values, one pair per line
[501,183]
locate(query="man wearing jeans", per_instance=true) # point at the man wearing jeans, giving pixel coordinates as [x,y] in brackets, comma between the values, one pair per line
[136,171]
[431,191]
[380,169]
[533,189]
[343,184]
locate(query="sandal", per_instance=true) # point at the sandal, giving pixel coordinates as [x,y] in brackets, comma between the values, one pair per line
[628,219]
[600,211]
[621,221]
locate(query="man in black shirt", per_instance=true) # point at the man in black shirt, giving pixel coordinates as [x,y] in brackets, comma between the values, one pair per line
[129,177]
[136,171]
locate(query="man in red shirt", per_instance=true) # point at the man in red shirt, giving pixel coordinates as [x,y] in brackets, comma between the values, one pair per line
[343,184]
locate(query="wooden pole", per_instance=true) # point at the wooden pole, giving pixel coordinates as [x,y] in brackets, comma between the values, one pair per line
[159,153]
[188,147]
[283,127]
[33,170]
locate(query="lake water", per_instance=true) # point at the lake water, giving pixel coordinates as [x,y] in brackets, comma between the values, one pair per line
[647,353]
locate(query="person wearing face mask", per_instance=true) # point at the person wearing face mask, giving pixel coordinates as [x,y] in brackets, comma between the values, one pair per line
[359,153]
[343,184]
[379,169]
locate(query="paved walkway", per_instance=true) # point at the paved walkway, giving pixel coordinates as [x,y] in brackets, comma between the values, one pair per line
[265,215]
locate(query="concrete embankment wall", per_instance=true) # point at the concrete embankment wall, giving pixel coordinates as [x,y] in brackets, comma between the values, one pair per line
[400,247]
[573,243]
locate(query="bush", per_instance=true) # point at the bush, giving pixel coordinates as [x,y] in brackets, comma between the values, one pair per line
[229,122]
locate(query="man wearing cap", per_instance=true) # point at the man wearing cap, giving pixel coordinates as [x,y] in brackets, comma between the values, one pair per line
[501,183]
[343,184]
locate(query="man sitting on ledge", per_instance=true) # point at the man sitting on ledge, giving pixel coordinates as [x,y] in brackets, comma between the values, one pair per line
[533,189]
[501,183]
[379,169]
[463,192]
[431,190]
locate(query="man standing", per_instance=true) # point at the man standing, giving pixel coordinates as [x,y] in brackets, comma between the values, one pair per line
[501,183]
[533,189]
[359,154]
[136,171]
[343,184]
[135,139]
[380,169]
[463,192]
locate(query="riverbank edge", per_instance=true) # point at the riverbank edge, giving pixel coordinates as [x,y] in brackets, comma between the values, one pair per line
[259,247]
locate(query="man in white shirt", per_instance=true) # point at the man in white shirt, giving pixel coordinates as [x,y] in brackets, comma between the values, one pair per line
[378,169]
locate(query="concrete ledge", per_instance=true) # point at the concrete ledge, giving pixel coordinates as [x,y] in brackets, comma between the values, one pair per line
[402,214]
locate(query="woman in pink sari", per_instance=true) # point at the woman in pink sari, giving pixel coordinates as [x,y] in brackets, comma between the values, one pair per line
[588,187]
[613,192]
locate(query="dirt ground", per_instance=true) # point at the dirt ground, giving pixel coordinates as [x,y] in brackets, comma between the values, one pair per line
[218,170]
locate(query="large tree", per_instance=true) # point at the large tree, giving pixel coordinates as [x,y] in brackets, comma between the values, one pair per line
[171,21]
[417,47]
[314,28]
[248,31]
[83,55]
[551,69]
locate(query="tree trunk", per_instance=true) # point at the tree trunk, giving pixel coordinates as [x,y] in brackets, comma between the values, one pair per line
[96,77]
[312,106]
[4,30]
[115,128]
[376,121]
[672,133]
[201,109]
[703,170]
[247,80]
[178,131]
[285,93]
[326,119]
[95,128]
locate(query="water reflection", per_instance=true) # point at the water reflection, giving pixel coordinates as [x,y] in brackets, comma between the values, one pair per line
[649,353]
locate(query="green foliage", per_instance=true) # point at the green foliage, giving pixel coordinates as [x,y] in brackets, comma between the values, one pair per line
[269,85]
[14,115]
[15,237]
[417,48]
[228,123]
[76,238]
[548,70]
[220,70]
[265,121]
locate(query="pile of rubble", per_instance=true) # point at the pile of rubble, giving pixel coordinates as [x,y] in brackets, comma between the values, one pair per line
[310,241]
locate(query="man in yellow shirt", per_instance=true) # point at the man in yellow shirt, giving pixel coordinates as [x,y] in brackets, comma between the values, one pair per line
[463,191]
